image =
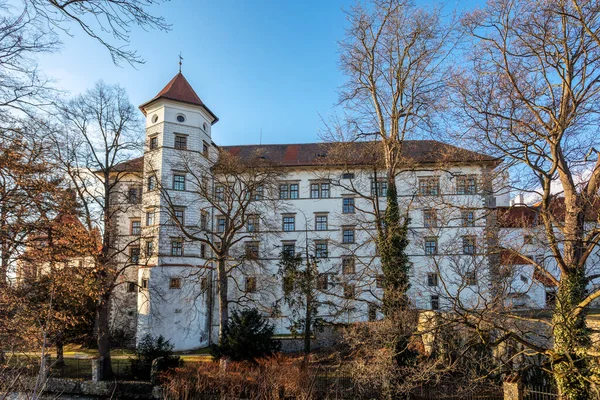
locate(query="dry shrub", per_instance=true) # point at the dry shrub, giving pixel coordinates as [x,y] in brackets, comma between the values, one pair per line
[269,378]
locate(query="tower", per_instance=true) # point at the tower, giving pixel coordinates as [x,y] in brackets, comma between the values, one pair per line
[172,301]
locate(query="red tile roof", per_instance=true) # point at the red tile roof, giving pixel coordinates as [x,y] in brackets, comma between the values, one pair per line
[179,89]
[517,217]
[356,153]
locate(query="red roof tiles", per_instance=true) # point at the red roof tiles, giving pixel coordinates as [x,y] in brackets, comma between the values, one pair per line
[179,89]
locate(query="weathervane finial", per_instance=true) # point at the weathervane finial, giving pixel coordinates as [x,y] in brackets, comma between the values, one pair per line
[180,61]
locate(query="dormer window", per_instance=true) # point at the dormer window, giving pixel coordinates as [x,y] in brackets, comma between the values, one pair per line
[181,118]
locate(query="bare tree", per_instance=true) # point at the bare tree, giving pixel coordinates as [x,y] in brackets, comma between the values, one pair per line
[394,55]
[101,130]
[240,193]
[530,93]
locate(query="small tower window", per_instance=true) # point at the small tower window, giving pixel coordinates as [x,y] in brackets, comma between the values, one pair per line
[181,118]
[205,127]
[154,118]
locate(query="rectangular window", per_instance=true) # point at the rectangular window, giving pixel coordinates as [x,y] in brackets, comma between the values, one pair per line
[134,195]
[178,182]
[348,265]
[431,245]
[251,250]
[348,175]
[347,235]
[136,227]
[435,302]
[144,285]
[130,287]
[470,278]
[259,193]
[176,248]
[250,284]
[203,250]
[153,142]
[284,191]
[221,222]
[323,282]
[469,245]
[289,223]
[289,249]
[180,142]
[294,191]
[468,218]
[134,255]
[252,223]
[348,205]
[466,184]
[378,188]
[149,218]
[205,149]
[319,190]
[149,248]
[320,222]
[429,218]
[179,214]
[175,283]
[432,279]
[321,250]
[429,186]
[204,220]
[151,183]
[220,192]
[349,291]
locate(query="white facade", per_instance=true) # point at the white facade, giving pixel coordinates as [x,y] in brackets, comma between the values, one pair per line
[174,294]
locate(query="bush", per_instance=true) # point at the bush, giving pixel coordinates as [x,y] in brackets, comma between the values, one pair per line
[246,337]
[149,349]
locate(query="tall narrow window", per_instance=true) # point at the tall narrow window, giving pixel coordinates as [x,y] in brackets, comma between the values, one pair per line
[435,302]
[294,191]
[176,248]
[178,182]
[179,215]
[323,282]
[253,223]
[348,205]
[151,183]
[203,220]
[252,250]
[379,188]
[203,250]
[153,142]
[250,284]
[469,245]
[320,222]
[221,224]
[468,218]
[325,190]
[284,191]
[348,235]
[429,218]
[180,142]
[259,193]
[431,245]
[150,218]
[220,192]
[432,279]
[289,223]
[321,250]
[349,291]
[136,227]
[149,248]
[205,149]
[134,255]
[134,195]
[314,190]
[348,265]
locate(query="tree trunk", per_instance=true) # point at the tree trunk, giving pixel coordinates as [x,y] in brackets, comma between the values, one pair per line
[103,336]
[223,297]
[60,357]
[571,338]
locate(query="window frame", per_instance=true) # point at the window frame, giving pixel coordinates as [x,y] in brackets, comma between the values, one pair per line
[179,184]
[469,245]
[429,186]
[288,221]
[180,142]
[153,142]
[320,223]
[348,205]
[250,284]
[175,283]
[348,235]
[433,279]
[135,227]
[177,251]
[348,265]
[321,249]
[431,250]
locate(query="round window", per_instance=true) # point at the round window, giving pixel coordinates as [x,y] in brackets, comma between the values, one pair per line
[180,118]
[154,118]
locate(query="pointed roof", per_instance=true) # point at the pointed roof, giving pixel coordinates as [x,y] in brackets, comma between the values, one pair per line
[179,89]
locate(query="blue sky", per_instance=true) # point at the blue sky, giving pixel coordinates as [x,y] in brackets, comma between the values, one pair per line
[270,65]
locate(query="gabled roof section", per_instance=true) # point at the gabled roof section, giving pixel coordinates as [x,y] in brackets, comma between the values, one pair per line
[179,89]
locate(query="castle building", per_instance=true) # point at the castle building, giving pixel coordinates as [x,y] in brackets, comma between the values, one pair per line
[321,204]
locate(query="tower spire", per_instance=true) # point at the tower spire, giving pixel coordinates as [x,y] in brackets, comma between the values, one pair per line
[180,61]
